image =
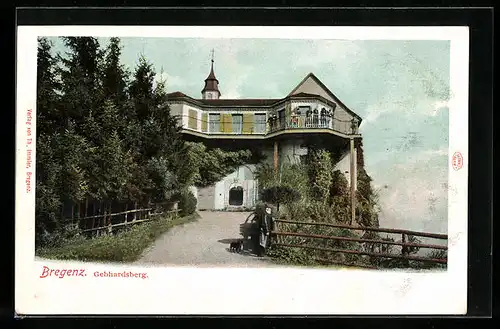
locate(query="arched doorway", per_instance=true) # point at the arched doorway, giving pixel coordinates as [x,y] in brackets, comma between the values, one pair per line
[236,196]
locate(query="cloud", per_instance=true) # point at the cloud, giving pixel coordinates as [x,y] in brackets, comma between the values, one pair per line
[413,191]
[440,106]
[172,82]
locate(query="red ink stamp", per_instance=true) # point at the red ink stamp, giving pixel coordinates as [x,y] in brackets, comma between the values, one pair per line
[457,161]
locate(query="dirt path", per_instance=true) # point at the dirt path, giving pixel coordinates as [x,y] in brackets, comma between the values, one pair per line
[203,243]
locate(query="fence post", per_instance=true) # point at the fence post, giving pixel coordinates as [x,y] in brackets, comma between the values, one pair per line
[110,228]
[404,250]
[135,212]
[104,219]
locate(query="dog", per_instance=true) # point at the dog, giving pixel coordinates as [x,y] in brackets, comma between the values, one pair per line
[236,246]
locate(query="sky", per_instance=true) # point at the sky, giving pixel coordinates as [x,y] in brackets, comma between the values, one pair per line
[399,88]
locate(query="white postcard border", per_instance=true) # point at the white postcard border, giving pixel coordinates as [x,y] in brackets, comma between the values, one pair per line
[182,290]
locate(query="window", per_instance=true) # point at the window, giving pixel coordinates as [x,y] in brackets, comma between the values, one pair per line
[260,123]
[281,118]
[303,110]
[214,122]
[237,123]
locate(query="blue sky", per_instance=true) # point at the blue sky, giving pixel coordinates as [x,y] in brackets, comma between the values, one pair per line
[399,88]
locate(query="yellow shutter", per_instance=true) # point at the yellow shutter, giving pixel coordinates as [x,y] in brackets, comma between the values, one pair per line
[227,124]
[192,119]
[248,123]
[222,122]
[204,122]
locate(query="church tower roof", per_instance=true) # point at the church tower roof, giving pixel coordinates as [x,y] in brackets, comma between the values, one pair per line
[211,82]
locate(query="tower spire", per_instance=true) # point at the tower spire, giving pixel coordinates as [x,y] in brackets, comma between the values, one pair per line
[211,89]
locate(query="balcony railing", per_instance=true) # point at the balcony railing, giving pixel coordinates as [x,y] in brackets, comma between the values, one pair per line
[347,127]
[274,124]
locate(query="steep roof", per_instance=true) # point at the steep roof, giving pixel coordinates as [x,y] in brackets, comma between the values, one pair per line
[312,83]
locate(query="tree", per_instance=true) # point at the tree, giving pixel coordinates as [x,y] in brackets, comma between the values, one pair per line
[154,135]
[48,115]
[81,78]
[115,77]
[48,168]
[141,89]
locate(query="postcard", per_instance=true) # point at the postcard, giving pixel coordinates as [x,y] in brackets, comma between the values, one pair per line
[242,170]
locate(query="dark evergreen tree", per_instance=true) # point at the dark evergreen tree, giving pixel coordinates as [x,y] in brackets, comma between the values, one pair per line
[115,77]
[48,110]
[48,169]
[142,90]
[81,78]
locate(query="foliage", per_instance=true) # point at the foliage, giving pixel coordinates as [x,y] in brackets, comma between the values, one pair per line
[435,254]
[187,203]
[123,247]
[280,194]
[292,175]
[102,137]
[320,174]
[328,200]
[367,197]
[116,76]
[210,165]
[291,256]
[164,181]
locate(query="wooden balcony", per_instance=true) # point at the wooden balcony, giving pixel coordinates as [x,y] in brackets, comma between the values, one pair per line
[273,127]
[346,127]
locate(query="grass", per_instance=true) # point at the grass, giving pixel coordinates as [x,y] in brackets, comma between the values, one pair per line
[126,246]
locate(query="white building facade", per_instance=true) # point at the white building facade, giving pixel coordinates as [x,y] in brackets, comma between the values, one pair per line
[280,128]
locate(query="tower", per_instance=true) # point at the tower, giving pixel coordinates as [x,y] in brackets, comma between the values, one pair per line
[211,89]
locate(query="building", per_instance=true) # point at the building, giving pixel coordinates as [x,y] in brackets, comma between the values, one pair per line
[280,128]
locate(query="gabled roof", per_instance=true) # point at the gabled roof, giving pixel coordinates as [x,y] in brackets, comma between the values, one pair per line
[325,89]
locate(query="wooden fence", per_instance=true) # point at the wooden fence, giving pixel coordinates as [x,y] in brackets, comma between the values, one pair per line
[107,222]
[405,244]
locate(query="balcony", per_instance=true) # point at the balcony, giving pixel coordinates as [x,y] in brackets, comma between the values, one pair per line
[347,127]
[235,127]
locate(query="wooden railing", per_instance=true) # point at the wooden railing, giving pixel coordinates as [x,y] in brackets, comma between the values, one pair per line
[312,122]
[404,243]
[104,223]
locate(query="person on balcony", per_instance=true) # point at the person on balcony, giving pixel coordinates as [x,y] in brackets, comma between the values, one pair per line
[294,120]
[308,118]
[272,122]
[323,118]
[315,118]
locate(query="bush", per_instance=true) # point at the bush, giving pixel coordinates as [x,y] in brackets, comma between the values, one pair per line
[125,246]
[187,203]
[280,194]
